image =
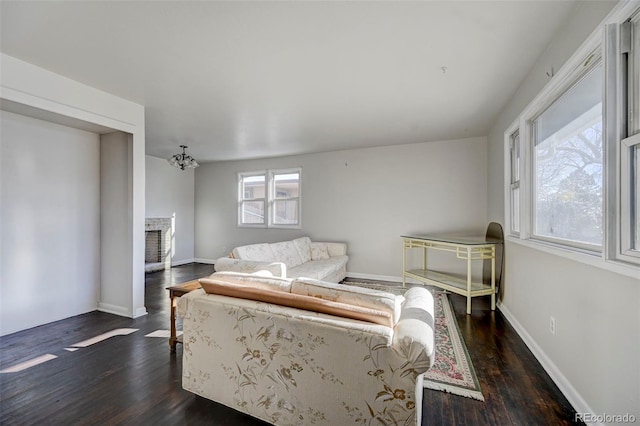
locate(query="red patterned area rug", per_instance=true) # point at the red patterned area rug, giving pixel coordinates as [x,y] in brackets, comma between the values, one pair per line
[452,370]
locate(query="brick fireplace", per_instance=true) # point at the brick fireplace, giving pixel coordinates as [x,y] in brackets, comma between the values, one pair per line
[157,244]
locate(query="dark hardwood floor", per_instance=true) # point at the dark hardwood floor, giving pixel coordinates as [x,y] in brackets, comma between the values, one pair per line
[136,380]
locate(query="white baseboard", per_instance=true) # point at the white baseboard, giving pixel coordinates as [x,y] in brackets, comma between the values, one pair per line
[207,261]
[121,311]
[182,262]
[114,309]
[572,395]
[140,312]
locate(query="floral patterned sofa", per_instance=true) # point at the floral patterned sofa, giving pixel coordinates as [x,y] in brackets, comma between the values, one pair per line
[291,259]
[293,366]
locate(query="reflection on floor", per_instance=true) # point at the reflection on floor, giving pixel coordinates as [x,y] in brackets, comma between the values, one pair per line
[162,333]
[105,336]
[92,341]
[48,357]
[28,364]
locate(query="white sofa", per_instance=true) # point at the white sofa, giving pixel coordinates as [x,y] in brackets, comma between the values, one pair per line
[293,366]
[290,259]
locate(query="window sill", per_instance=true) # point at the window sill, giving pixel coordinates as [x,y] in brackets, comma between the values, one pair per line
[589,259]
[294,227]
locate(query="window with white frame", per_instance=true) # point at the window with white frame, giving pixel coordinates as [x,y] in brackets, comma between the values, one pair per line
[252,201]
[285,202]
[572,159]
[269,198]
[631,188]
[629,146]
[514,188]
[567,165]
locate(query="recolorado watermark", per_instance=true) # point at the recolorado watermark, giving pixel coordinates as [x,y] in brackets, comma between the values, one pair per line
[605,418]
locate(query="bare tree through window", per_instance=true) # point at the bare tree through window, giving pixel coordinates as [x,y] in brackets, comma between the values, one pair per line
[568,157]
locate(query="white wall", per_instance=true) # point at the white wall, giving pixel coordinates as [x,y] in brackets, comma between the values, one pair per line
[170,192]
[115,223]
[593,357]
[60,99]
[365,197]
[50,222]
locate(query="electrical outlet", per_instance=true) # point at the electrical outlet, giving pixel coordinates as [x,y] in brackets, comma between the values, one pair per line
[552,325]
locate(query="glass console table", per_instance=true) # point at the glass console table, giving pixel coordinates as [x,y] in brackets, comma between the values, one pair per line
[465,248]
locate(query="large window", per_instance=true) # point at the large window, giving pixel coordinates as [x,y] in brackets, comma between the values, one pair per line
[567,165]
[253,199]
[286,198]
[514,188]
[572,159]
[623,118]
[630,140]
[269,198]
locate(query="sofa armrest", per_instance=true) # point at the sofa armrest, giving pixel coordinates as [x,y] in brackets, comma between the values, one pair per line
[278,269]
[414,333]
[335,249]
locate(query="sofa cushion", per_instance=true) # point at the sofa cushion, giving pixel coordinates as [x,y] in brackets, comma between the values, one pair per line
[319,251]
[276,269]
[344,293]
[297,301]
[303,245]
[261,252]
[287,253]
[255,280]
[337,249]
[318,269]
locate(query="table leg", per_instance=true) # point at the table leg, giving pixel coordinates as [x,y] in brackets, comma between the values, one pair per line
[404,263]
[424,258]
[468,281]
[173,339]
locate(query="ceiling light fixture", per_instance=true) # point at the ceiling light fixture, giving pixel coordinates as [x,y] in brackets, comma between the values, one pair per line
[183,160]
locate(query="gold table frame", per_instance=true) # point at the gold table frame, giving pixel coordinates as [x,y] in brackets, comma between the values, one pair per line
[465,248]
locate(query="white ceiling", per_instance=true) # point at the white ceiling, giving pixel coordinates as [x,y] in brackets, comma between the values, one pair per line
[240,80]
